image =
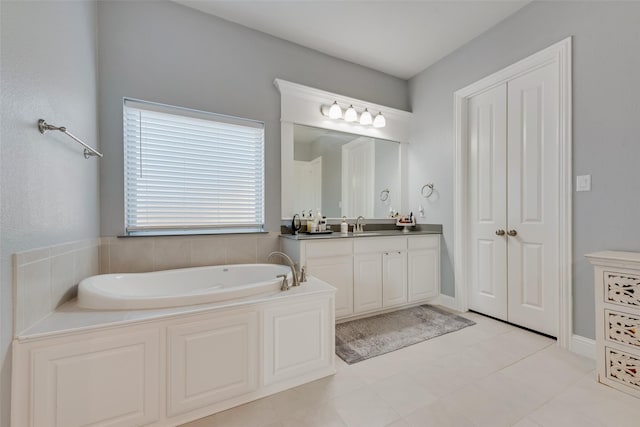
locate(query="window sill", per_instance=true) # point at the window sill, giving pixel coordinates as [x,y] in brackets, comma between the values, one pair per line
[193,234]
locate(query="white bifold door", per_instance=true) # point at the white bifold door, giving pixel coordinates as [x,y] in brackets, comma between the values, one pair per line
[513,200]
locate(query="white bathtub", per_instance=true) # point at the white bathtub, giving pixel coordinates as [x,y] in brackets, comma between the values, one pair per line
[174,288]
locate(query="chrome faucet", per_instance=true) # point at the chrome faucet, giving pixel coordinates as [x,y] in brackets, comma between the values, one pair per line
[294,273]
[358,227]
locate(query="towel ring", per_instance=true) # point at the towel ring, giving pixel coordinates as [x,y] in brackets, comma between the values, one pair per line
[429,190]
[384,195]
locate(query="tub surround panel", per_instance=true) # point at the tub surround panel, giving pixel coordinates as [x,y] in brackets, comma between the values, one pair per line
[144,254]
[45,278]
[169,367]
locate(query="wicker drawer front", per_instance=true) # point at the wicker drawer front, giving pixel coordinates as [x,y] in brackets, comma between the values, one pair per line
[622,328]
[622,288]
[623,368]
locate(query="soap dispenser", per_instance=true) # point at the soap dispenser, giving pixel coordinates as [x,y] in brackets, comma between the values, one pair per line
[344,227]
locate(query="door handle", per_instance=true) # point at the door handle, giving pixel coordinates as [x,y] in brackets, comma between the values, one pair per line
[500,232]
[512,233]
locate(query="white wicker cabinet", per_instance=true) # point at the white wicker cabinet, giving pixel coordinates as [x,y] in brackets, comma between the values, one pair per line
[617,292]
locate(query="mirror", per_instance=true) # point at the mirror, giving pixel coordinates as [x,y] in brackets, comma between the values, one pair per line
[344,174]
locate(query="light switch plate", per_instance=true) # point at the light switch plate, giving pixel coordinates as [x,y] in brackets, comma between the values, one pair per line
[583,183]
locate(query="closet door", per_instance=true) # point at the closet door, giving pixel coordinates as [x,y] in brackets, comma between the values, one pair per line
[532,195]
[487,114]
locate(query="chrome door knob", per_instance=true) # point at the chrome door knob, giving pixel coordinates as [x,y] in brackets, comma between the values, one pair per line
[500,232]
[512,233]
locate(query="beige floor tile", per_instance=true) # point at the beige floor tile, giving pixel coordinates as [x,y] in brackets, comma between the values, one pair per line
[364,408]
[436,415]
[589,403]
[550,370]
[493,401]
[311,394]
[399,423]
[403,393]
[491,374]
[322,415]
[526,422]
[259,413]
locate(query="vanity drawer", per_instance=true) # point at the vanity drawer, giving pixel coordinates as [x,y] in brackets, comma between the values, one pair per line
[622,289]
[623,368]
[364,245]
[329,248]
[622,328]
[424,242]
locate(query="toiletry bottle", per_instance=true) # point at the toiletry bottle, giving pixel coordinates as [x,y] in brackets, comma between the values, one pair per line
[323,224]
[315,224]
[344,227]
[310,222]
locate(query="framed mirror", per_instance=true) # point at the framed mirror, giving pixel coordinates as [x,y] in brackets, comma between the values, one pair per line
[343,168]
[344,174]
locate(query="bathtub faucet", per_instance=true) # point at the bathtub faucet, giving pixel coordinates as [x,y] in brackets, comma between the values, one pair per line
[294,273]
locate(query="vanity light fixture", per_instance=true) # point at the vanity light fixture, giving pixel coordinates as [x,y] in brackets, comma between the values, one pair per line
[365,117]
[335,112]
[351,115]
[379,121]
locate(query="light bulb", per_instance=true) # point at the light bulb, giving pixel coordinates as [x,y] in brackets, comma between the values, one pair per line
[350,115]
[365,118]
[335,112]
[379,121]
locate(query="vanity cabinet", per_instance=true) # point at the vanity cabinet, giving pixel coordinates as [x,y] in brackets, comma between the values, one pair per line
[424,267]
[372,273]
[380,273]
[328,260]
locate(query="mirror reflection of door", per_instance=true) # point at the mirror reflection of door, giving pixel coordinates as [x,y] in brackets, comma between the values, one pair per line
[358,177]
[308,185]
[383,157]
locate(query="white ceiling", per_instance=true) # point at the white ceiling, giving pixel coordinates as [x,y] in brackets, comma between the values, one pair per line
[400,38]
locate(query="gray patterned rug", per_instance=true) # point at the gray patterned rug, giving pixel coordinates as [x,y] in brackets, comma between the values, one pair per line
[362,339]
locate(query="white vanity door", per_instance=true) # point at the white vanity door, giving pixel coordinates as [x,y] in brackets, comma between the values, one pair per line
[367,282]
[331,260]
[394,278]
[424,267]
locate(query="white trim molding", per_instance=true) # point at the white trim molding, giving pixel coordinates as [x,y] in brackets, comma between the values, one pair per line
[302,105]
[560,54]
[446,301]
[583,346]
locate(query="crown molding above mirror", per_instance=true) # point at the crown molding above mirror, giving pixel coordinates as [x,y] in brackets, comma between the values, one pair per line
[302,105]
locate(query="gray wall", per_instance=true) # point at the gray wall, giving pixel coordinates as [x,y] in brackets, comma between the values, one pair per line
[606,125]
[165,52]
[49,192]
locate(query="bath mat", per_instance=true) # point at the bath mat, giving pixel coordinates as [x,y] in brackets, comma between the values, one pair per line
[362,339]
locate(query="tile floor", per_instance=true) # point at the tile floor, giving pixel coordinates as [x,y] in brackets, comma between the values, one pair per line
[490,374]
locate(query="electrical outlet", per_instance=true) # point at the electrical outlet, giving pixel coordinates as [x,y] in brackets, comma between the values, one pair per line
[583,183]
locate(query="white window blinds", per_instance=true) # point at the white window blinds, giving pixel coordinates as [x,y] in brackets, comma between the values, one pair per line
[188,171]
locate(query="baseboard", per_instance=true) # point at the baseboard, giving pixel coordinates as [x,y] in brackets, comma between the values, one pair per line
[447,301]
[583,346]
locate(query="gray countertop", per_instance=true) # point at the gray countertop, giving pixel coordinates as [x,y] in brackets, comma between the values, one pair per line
[432,229]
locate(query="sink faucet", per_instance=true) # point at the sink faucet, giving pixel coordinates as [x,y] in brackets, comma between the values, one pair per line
[358,227]
[294,273]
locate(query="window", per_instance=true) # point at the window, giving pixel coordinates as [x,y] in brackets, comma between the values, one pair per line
[188,171]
